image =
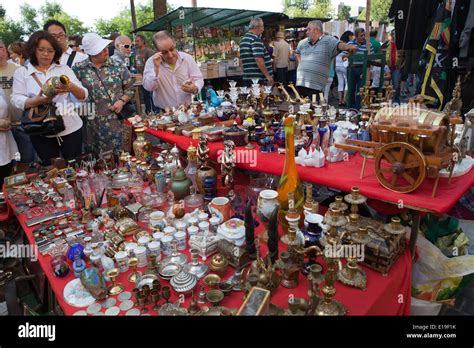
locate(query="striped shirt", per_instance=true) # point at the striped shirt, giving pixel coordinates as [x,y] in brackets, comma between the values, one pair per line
[361,49]
[251,47]
[313,70]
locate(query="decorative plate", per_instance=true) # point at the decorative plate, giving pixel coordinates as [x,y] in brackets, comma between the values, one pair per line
[76,295]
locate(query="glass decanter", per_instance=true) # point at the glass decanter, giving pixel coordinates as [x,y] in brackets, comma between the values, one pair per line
[289,180]
[193,201]
[191,168]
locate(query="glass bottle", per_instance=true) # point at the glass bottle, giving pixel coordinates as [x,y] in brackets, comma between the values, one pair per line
[191,168]
[289,180]
[69,199]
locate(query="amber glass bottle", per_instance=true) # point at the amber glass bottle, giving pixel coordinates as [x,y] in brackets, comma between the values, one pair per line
[289,180]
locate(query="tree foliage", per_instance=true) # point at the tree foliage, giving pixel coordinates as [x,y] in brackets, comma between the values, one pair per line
[308,8]
[53,10]
[378,10]
[122,22]
[344,13]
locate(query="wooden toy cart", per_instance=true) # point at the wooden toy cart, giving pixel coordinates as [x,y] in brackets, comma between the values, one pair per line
[408,145]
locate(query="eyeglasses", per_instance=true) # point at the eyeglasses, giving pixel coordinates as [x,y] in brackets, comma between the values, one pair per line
[45,50]
[59,36]
[72,46]
[126,46]
[171,50]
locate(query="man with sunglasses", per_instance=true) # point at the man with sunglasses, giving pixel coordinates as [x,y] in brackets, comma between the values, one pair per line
[123,50]
[70,57]
[172,76]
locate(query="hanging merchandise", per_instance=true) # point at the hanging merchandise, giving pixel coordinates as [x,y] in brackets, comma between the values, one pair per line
[435,60]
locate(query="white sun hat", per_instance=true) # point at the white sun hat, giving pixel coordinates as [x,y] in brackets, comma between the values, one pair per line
[93,44]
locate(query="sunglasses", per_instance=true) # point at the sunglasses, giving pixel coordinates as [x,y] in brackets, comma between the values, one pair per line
[126,46]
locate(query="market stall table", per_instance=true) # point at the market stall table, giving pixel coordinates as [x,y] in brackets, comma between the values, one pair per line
[343,176]
[385,294]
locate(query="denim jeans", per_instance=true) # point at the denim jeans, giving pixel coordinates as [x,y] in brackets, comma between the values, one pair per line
[354,85]
[25,147]
[396,77]
[148,100]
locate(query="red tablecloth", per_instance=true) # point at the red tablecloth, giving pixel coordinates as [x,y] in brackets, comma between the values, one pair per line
[385,295]
[343,176]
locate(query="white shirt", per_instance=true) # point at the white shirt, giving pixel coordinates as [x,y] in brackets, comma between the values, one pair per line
[375,70]
[8,145]
[166,87]
[25,86]
[78,58]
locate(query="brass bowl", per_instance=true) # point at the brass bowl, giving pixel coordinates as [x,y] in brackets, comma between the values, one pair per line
[212,281]
[225,287]
[215,297]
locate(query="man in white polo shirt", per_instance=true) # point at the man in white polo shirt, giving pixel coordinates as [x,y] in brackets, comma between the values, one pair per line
[70,57]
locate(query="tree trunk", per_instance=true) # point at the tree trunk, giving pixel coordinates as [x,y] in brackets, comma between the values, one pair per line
[159,8]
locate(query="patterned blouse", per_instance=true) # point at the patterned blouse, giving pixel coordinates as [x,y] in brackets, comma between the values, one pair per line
[115,81]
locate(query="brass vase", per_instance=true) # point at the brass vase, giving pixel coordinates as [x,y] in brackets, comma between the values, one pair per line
[141,146]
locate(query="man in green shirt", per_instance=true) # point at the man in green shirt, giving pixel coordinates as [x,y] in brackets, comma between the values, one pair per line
[374,42]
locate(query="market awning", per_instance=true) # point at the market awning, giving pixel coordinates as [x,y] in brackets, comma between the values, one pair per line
[212,17]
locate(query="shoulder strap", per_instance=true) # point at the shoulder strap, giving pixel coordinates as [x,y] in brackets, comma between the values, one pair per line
[71,59]
[103,84]
[37,80]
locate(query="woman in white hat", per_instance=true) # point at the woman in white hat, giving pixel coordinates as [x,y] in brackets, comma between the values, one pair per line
[110,88]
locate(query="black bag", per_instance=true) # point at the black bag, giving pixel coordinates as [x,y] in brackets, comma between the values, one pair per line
[43,119]
[128,109]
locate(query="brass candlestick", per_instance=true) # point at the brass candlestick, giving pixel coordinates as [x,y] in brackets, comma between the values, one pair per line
[355,199]
[115,288]
[290,270]
[351,274]
[328,305]
[339,204]
[132,277]
[395,227]
[308,204]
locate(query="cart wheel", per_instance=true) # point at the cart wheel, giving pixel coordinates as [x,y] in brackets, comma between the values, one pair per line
[407,168]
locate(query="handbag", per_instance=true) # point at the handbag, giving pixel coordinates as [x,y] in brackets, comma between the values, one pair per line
[128,109]
[42,119]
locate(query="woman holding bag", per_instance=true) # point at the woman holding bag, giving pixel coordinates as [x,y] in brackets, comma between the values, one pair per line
[44,53]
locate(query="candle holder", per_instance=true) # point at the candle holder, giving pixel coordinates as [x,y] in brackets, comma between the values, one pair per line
[328,306]
[132,277]
[193,306]
[395,227]
[308,204]
[199,269]
[115,288]
[355,199]
[361,236]
[339,204]
[351,274]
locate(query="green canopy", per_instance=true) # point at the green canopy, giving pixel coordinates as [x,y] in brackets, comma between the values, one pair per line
[211,17]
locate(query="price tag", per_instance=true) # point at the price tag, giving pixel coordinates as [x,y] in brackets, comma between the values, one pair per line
[236,61]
